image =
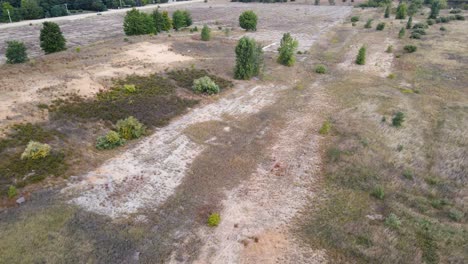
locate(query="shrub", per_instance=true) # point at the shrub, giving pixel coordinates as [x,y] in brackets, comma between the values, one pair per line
[389,49]
[459,17]
[138,23]
[368,24]
[188,18]
[354,19]
[181,19]
[321,69]
[111,140]
[398,119]
[387,12]
[455,11]
[361,57]
[420,25]
[166,22]
[381,26]
[410,48]
[248,21]
[249,59]
[325,129]
[287,50]
[393,221]
[378,192]
[35,150]
[158,21]
[130,128]
[51,38]
[206,33]
[409,23]
[12,192]
[205,85]
[401,33]
[419,31]
[401,11]
[456,215]
[415,35]
[430,22]
[16,52]
[129,88]
[214,219]
[442,28]
[435,8]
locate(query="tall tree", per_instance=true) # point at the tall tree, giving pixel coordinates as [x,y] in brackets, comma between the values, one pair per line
[248,59]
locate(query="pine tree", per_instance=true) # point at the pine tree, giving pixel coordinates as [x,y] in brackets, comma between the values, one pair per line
[158,20]
[287,50]
[387,12]
[206,33]
[401,11]
[435,8]
[167,22]
[248,59]
[402,32]
[51,38]
[361,57]
[409,24]
[178,20]
[138,23]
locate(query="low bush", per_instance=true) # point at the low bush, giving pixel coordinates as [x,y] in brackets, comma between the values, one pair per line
[378,192]
[442,29]
[35,150]
[389,49]
[393,221]
[129,88]
[361,57]
[287,50]
[16,52]
[214,219]
[185,78]
[109,141]
[459,17]
[321,69]
[248,21]
[325,129]
[206,33]
[455,11]
[430,22]
[354,19]
[130,128]
[138,23]
[410,48]
[419,31]
[398,119]
[205,85]
[415,35]
[420,25]
[12,192]
[181,19]
[368,23]
[380,26]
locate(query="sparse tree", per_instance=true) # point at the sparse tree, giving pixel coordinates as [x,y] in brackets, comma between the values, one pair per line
[16,52]
[361,57]
[206,33]
[248,21]
[287,50]
[401,11]
[248,59]
[51,38]
[409,24]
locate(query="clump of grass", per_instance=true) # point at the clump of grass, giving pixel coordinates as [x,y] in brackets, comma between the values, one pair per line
[398,119]
[378,192]
[129,88]
[393,221]
[361,57]
[391,76]
[109,141]
[21,134]
[401,33]
[410,48]
[78,49]
[325,129]
[321,69]
[214,219]
[368,23]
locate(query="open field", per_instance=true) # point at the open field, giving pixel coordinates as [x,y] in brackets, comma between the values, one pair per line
[288,189]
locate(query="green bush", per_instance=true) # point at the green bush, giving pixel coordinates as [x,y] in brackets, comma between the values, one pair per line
[129,88]
[435,8]
[205,85]
[378,192]
[325,129]
[456,11]
[419,31]
[214,219]
[410,48]
[380,26]
[409,23]
[111,140]
[249,59]
[361,57]
[401,11]
[166,21]
[321,69]
[420,25]
[393,221]
[287,50]
[35,150]
[248,21]
[130,128]
[158,21]
[354,19]
[387,12]
[51,38]
[12,192]
[16,52]
[206,33]
[430,22]
[459,17]
[415,35]
[401,33]
[138,23]
[181,19]
[368,24]
[442,29]
[398,119]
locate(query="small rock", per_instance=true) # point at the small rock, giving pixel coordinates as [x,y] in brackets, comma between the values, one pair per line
[375,217]
[20,200]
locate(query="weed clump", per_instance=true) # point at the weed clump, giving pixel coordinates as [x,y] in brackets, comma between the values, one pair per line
[393,221]
[321,69]
[325,129]
[456,215]
[185,78]
[35,150]
[205,85]
[129,128]
[389,49]
[361,57]
[109,141]
[408,174]
[401,33]
[214,219]
[398,119]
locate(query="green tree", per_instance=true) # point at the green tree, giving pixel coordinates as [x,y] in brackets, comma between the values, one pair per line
[248,59]
[58,10]
[387,12]
[158,20]
[167,22]
[16,52]
[287,50]
[435,8]
[248,21]
[361,57]
[7,7]
[402,32]
[51,38]
[206,33]
[181,19]
[138,23]
[188,18]
[414,6]
[409,24]
[401,11]
[30,9]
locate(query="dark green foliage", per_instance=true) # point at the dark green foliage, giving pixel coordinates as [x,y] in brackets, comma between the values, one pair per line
[414,6]
[435,8]
[109,141]
[401,33]
[181,19]
[248,21]
[420,25]
[455,11]
[456,215]
[167,21]
[409,23]
[354,19]
[58,10]
[368,24]
[51,38]
[361,57]
[381,26]
[442,29]
[158,21]
[138,23]
[249,59]
[185,78]
[30,9]
[129,128]
[392,221]
[415,35]
[419,31]
[398,118]
[16,52]
[401,11]
[154,102]
[206,33]
[459,17]
[387,12]
[287,50]
[321,69]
